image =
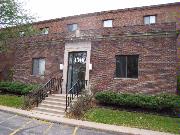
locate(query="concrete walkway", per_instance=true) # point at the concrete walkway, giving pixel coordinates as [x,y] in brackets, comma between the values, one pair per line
[84,124]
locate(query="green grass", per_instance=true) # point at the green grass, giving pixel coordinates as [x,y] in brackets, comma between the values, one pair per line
[11,101]
[134,119]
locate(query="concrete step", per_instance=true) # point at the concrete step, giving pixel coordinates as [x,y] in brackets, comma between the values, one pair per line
[52,102]
[58,95]
[52,106]
[56,99]
[48,110]
[48,114]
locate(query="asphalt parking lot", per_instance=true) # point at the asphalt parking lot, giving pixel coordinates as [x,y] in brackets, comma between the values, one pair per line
[12,124]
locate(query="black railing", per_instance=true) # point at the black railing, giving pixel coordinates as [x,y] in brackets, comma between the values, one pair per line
[75,91]
[36,96]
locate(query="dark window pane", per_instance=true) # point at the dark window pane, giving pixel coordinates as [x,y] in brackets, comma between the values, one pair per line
[132,66]
[76,67]
[121,66]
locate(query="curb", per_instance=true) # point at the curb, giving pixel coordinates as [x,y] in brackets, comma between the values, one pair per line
[84,124]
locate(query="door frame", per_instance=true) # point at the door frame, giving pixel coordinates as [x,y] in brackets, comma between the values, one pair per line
[76,47]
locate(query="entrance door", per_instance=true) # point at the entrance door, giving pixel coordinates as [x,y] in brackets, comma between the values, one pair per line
[76,68]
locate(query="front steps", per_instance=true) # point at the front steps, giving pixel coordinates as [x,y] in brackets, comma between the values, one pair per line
[53,105]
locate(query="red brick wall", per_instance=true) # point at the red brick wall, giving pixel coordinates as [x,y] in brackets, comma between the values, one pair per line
[51,51]
[6,63]
[157,64]
[177,14]
[157,57]
[156,49]
[124,17]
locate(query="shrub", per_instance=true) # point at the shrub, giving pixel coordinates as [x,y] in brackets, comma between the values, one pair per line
[79,107]
[161,102]
[16,87]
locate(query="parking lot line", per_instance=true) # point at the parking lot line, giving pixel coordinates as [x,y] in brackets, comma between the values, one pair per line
[23,126]
[75,130]
[8,118]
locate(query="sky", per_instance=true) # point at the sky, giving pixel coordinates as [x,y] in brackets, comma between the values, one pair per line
[50,9]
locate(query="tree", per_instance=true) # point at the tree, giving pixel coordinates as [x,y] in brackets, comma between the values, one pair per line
[12,14]
[13,20]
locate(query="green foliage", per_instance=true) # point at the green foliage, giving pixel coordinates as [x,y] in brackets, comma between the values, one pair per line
[153,102]
[178,84]
[177,32]
[17,87]
[10,74]
[11,101]
[14,32]
[13,20]
[12,14]
[133,119]
[79,107]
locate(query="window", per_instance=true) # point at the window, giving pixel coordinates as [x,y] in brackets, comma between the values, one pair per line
[72,27]
[21,33]
[44,31]
[107,23]
[149,19]
[38,66]
[127,66]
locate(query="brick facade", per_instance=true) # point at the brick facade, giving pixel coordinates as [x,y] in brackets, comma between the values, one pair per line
[52,52]
[157,64]
[155,44]
[121,17]
[6,65]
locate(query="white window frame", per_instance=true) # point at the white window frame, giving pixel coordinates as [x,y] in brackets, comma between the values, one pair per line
[108,23]
[72,27]
[151,19]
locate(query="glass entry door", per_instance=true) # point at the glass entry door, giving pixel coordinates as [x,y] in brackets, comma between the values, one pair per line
[76,68]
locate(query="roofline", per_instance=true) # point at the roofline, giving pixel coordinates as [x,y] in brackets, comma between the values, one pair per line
[105,12]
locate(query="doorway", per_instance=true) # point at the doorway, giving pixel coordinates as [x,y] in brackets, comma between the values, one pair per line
[75,50]
[76,68]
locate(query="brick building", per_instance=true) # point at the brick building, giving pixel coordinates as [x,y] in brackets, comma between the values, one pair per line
[125,50]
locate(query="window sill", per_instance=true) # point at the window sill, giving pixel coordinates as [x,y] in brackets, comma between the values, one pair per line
[150,24]
[125,78]
[107,27]
[37,75]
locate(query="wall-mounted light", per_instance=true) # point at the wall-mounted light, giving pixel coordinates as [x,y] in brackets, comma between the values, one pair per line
[90,66]
[61,66]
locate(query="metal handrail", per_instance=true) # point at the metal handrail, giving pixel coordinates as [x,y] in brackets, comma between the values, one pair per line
[36,96]
[74,91]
